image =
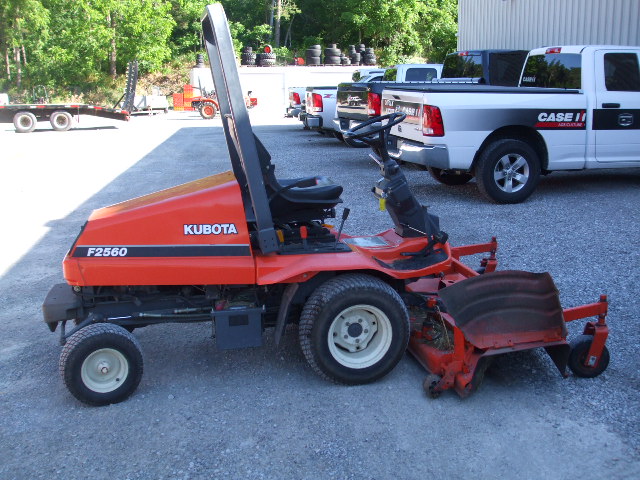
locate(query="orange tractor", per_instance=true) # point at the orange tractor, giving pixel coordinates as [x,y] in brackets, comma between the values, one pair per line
[249,251]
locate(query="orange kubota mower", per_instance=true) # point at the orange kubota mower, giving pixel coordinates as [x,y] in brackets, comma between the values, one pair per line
[247,251]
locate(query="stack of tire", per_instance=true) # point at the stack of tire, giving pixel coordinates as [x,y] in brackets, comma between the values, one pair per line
[332,55]
[354,55]
[312,56]
[248,57]
[344,59]
[267,58]
[369,57]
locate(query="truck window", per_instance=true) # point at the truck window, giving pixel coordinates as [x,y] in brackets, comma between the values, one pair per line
[621,72]
[552,70]
[421,74]
[391,74]
[505,67]
[462,65]
[377,78]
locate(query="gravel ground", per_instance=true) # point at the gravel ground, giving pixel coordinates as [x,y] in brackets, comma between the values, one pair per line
[262,413]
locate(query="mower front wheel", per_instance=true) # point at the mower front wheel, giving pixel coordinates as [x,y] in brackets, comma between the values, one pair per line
[354,329]
[580,347]
[101,364]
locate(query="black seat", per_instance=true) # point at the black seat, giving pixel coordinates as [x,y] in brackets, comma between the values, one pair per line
[297,199]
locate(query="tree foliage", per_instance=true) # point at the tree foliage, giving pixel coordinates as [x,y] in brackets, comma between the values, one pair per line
[80,44]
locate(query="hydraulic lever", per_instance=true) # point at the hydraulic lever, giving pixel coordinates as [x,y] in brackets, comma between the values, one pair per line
[345,214]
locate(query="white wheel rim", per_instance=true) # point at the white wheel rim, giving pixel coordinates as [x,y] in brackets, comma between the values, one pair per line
[511,173]
[359,336]
[104,370]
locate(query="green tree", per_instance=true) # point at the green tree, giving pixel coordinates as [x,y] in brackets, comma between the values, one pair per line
[23,33]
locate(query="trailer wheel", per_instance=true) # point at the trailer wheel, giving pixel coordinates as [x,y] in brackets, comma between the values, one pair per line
[101,364]
[61,121]
[208,111]
[24,122]
[508,171]
[354,329]
[449,177]
[579,350]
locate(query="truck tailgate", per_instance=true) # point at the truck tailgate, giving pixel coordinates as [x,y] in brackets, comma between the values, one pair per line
[410,103]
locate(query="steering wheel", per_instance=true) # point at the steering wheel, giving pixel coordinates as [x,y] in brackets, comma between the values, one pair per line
[394,119]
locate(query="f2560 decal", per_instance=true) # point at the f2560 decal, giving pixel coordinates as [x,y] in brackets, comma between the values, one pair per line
[226,250]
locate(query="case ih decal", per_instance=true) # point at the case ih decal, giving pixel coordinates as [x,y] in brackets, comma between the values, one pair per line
[570,119]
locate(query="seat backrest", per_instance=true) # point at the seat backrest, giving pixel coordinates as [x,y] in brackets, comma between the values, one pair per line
[241,142]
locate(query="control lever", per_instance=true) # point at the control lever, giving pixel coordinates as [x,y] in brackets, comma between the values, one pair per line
[440,237]
[345,214]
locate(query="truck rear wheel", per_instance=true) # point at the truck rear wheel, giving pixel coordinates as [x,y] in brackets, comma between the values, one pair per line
[508,171]
[449,177]
[24,122]
[61,121]
[354,329]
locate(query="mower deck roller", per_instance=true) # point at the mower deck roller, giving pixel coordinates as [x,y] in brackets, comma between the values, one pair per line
[249,251]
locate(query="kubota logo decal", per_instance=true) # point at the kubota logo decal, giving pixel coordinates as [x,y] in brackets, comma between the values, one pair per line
[210,229]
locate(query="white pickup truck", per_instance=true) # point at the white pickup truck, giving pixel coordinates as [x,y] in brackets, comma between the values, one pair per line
[320,102]
[577,107]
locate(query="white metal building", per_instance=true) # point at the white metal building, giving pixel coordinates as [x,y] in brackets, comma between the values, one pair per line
[527,24]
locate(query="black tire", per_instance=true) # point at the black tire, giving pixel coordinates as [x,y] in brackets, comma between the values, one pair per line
[313,60]
[369,51]
[332,52]
[518,165]
[24,122]
[61,121]
[355,58]
[449,177]
[248,56]
[247,49]
[579,350]
[345,61]
[101,346]
[345,313]
[332,60]
[208,110]
[338,136]
[369,59]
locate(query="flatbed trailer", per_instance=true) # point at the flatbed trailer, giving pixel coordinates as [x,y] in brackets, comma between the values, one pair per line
[25,116]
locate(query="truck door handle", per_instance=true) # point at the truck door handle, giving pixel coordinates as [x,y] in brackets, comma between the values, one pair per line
[610,105]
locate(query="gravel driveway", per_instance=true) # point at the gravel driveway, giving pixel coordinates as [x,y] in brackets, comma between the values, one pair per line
[262,413]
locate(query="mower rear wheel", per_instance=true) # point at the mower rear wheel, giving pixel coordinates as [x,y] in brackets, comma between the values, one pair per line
[354,329]
[577,358]
[101,364]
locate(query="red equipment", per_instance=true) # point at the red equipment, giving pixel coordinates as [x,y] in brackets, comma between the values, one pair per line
[247,250]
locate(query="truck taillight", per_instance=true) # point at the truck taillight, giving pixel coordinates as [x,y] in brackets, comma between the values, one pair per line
[294,97]
[373,104]
[553,50]
[432,125]
[316,102]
